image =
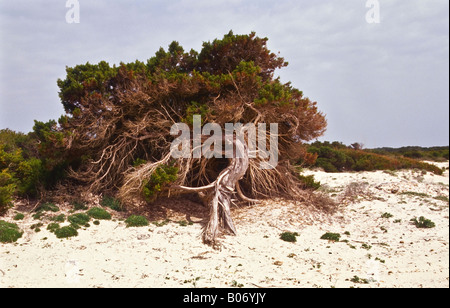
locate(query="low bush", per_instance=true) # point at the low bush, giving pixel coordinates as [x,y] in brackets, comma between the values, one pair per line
[289,236]
[335,237]
[112,203]
[336,157]
[9,232]
[19,216]
[162,176]
[52,227]
[7,189]
[64,232]
[47,207]
[136,221]
[423,223]
[99,213]
[309,182]
[78,220]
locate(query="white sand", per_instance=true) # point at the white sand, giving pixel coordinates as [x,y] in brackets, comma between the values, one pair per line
[385,252]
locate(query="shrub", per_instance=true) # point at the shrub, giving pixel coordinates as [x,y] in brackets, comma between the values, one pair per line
[98,213]
[387,215]
[112,203]
[422,222]
[336,157]
[19,216]
[78,205]
[309,182]
[289,237]
[47,207]
[136,221]
[162,176]
[79,219]
[335,237]
[52,227]
[59,218]
[7,188]
[9,232]
[64,232]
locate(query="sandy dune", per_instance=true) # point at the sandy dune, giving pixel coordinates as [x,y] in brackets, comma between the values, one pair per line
[381,252]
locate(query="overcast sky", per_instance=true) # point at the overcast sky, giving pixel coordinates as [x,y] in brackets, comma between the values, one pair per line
[381,84]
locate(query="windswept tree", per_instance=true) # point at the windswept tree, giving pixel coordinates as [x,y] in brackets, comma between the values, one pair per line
[119,122]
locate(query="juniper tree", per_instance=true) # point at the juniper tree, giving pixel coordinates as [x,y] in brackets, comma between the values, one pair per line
[119,120]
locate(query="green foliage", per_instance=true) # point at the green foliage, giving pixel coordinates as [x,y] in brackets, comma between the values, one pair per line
[309,182]
[336,157]
[47,207]
[7,188]
[139,161]
[19,216]
[99,213]
[53,226]
[58,218]
[78,220]
[162,223]
[52,151]
[162,176]
[274,93]
[9,232]
[422,153]
[136,221]
[387,215]
[87,78]
[289,237]
[356,279]
[30,162]
[196,109]
[78,204]
[65,232]
[112,203]
[335,237]
[423,223]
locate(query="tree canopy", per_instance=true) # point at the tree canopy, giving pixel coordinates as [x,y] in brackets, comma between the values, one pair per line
[118,118]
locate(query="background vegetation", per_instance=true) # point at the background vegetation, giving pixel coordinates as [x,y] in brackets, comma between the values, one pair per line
[337,157]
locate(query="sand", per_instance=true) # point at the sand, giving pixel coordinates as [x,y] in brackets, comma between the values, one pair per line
[373,252]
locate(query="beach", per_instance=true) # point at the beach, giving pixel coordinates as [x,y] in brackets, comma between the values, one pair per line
[379,246]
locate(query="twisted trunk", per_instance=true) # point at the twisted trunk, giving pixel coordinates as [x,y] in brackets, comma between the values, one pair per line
[218,195]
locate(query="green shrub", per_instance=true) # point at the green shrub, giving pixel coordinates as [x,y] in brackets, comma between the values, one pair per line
[7,189]
[47,207]
[99,213]
[79,205]
[422,222]
[309,182]
[19,216]
[162,176]
[52,227]
[136,221]
[336,157]
[64,232]
[289,237]
[112,203]
[36,227]
[335,237]
[79,219]
[9,232]
[387,215]
[59,218]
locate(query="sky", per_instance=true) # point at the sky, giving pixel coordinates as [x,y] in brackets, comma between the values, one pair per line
[378,69]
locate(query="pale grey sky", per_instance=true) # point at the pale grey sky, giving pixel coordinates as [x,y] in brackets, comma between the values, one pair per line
[382,84]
